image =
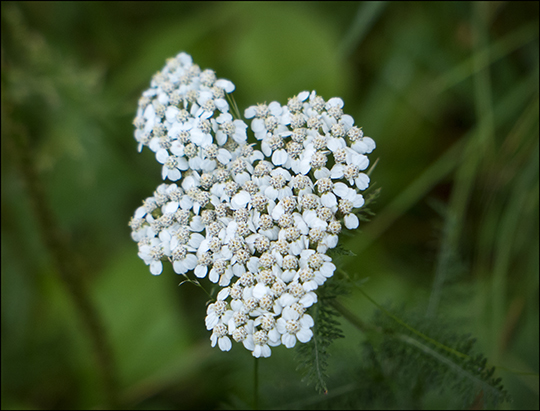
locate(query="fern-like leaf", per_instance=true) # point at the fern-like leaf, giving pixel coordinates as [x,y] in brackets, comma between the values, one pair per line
[313,356]
[419,365]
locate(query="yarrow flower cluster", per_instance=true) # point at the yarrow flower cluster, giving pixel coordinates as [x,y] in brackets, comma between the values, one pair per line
[257,222]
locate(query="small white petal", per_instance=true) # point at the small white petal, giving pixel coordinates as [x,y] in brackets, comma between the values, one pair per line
[279,157]
[278,211]
[259,291]
[347,121]
[362,181]
[200,272]
[211,321]
[310,298]
[156,267]
[322,173]
[171,207]
[174,174]
[224,117]
[196,239]
[250,112]
[223,294]
[334,102]
[239,270]
[288,275]
[328,269]
[190,261]
[288,340]
[335,143]
[162,155]
[140,212]
[304,335]
[224,156]
[224,343]
[274,337]
[271,193]
[351,221]
[182,163]
[286,300]
[179,267]
[196,224]
[281,326]
[342,190]
[253,264]
[240,200]
[358,201]
[221,137]
[370,143]
[248,343]
[214,276]
[242,178]
[275,108]
[337,171]
[331,241]
[226,85]
[171,113]
[328,200]
[221,104]
[360,147]
[303,95]
[258,126]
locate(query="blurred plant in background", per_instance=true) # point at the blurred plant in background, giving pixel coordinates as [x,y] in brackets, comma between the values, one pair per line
[449,89]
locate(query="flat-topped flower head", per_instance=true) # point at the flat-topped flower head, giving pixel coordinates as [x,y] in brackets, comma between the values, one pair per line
[255,219]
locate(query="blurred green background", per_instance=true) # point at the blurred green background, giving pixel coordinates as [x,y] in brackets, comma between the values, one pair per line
[449,91]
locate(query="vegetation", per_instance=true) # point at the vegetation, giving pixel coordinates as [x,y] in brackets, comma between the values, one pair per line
[436,297]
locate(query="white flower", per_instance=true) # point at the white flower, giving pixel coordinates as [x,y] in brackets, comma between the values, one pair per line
[226,127]
[171,165]
[219,336]
[278,188]
[302,165]
[152,254]
[200,138]
[364,146]
[257,342]
[321,264]
[217,312]
[185,265]
[221,272]
[292,328]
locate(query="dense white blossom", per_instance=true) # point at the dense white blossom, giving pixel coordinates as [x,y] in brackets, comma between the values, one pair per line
[184,113]
[255,220]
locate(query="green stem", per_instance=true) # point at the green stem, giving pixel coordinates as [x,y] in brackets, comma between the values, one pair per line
[256,384]
[235,110]
[360,325]
[197,284]
[415,331]
[353,319]
[363,327]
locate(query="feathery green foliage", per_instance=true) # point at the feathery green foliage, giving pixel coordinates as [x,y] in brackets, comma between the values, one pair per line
[413,365]
[313,356]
